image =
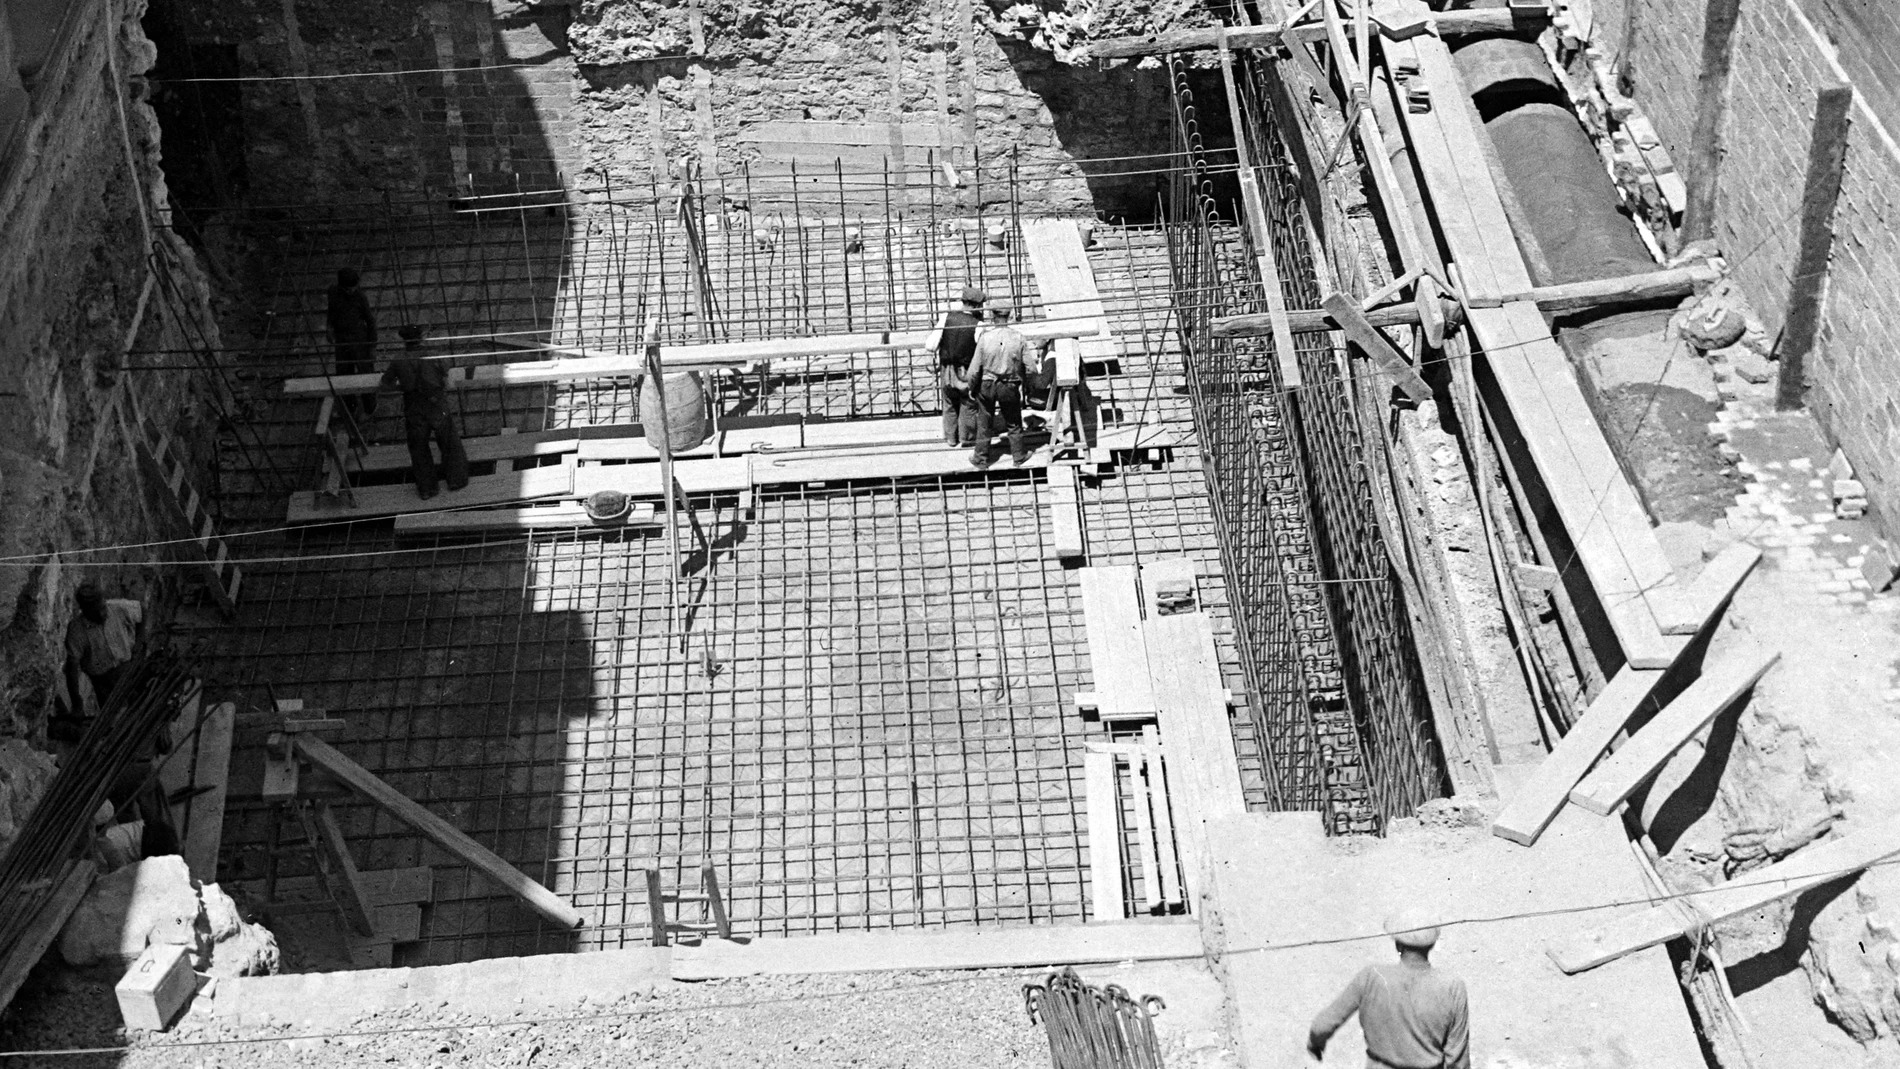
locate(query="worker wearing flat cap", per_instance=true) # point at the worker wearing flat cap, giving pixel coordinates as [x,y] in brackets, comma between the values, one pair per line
[425,415]
[956,347]
[1413,1016]
[997,374]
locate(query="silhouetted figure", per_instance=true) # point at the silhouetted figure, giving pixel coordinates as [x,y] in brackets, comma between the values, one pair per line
[353,330]
[425,415]
[956,347]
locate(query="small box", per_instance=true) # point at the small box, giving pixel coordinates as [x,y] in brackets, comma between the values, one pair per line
[156,987]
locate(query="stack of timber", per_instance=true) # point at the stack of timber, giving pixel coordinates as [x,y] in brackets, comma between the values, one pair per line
[1154,859]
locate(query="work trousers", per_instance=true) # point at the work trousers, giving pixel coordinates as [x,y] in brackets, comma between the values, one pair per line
[959,416]
[421,422]
[999,410]
[357,358]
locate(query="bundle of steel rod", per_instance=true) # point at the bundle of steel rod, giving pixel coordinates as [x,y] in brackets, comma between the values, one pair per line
[57,832]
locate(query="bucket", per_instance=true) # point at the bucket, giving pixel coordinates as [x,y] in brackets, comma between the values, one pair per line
[685,410]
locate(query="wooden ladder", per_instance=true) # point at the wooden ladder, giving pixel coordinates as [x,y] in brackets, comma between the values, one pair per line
[709,897]
[222,577]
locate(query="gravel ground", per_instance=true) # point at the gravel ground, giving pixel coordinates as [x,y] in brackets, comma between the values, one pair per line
[925,1019]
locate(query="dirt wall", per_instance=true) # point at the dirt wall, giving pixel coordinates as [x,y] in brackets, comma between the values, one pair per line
[76,290]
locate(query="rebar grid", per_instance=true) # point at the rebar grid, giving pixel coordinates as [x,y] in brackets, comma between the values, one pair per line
[1351,732]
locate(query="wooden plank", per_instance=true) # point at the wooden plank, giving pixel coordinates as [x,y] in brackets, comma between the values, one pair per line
[381,887]
[204,820]
[45,926]
[1105,837]
[1195,732]
[1065,512]
[376,501]
[575,362]
[1807,288]
[896,462]
[1167,857]
[1805,869]
[1704,156]
[1606,521]
[1118,648]
[1345,311]
[539,518]
[1649,749]
[538,898]
[357,910]
[1531,809]
[497,447]
[1145,832]
[706,475]
[1267,262]
[1064,278]
[1453,23]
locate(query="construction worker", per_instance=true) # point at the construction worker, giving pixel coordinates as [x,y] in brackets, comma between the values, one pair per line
[99,643]
[956,347]
[353,331]
[425,415]
[997,374]
[1413,1016]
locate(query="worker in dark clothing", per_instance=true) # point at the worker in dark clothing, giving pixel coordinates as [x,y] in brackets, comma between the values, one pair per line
[353,330]
[425,415]
[996,382]
[956,347]
[1413,1016]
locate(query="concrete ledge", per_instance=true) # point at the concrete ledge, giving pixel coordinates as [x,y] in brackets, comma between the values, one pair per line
[997,948]
[489,987]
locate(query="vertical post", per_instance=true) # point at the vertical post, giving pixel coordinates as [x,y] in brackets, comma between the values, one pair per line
[1703,164]
[709,883]
[1827,157]
[966,16]
[656,381]
[656,907]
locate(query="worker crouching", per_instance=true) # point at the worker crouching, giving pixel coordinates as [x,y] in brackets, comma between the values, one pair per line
[997,376]
[425,415]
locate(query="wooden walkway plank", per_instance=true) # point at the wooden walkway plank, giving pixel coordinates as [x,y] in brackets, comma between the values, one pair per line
[374,501]
[542,518]
[1606,521]
[1531,809]
[1651,747]
[1105,837]
[1064,278]
[1118,649]
[1064,498]
[1195,731]
[1808,867]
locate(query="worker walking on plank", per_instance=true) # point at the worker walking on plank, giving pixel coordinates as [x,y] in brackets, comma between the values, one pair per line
[425,415]
[353,330]
[956,347]
[1413,1016]
[997,374]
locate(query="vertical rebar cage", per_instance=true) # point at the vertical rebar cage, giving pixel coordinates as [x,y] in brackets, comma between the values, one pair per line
[1341,702]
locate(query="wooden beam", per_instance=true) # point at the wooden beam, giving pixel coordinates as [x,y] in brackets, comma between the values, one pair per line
[1702,162]
[543,518]
[538,898]
[583,363]
[1253,204]
[1345,311]
[357,909]
[1065,512]
[1807,868]
[1570,298]
[204,821]
[1105,837]
[1118,648]
[1145,833]
[1827,159]
[1650,748]
[1462,22]
[1165,843]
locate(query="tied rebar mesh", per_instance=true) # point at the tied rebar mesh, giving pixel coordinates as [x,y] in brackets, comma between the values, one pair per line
[1093,1027]
[1342,709]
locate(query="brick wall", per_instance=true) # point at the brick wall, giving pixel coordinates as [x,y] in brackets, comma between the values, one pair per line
[1782,58]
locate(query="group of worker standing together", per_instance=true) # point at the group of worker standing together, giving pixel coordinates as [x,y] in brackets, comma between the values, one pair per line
[986,371]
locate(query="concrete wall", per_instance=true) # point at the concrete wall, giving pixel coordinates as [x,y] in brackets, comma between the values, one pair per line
[73,271]
[1782,58]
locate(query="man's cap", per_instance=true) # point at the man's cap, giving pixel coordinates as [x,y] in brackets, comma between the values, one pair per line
[409,332]
[1001,307]
[347,276]
[972,295]
[88,594]
[1412,927]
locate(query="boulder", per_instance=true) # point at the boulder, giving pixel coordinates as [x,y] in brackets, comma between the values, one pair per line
[155,901]
[24,776]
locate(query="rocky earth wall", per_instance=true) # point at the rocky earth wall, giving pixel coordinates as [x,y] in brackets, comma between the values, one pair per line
[73,282]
